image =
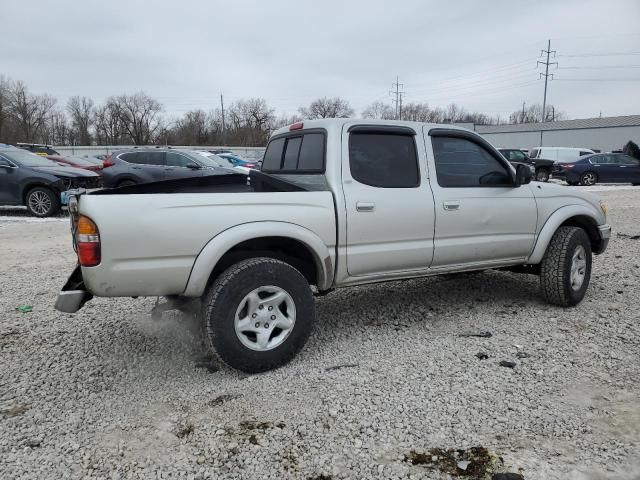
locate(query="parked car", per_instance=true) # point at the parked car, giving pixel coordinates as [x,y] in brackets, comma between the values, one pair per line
[600,167]
[143,165]
[38,148]
[31,180]
[343,202]
[559,154]
[238,161]
[541,167]
[222,161]
[77,162]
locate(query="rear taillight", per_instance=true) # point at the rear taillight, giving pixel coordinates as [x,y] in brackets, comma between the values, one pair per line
[249,165]
[87,242]
[107,162]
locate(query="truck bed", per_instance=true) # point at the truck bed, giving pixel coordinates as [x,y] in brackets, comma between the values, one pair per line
[151,235]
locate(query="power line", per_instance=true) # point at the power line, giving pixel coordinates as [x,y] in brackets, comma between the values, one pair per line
[616,54]
[599,67]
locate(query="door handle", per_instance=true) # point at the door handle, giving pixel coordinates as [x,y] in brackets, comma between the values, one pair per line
[451,205]
[365,206]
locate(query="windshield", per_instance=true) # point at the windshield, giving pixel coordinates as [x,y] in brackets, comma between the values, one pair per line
[28,159]
[213,160]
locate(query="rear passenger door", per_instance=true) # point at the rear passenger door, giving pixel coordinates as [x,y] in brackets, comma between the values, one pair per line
[481,217]
[388,201]
[146,166]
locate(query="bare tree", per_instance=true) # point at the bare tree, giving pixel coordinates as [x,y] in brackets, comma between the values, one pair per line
[109,128]
[379,111]
[327,108]
[533,114]
[139,115]
[82,113]
[28,111]
[191,129]
[250,122]
[4,99]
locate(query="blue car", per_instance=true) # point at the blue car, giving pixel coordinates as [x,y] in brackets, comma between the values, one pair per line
[599,167]
[238,161]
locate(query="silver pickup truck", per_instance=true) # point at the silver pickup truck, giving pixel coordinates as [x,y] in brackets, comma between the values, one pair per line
[338,202]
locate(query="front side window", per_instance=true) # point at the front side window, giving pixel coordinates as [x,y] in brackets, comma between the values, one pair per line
[177,160]
[463,163]
[627,160]
[384,160]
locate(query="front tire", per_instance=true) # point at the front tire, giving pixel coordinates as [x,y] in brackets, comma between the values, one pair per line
[542,175]
[565,270]
[588,178]
[258,314]
[42,202]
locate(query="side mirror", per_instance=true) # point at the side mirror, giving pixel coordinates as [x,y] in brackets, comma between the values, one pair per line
[193,166]
[523,175]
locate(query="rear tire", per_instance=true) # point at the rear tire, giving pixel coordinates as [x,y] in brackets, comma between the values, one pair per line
[42,202]
[565,270]
[542,175]
[258,314]
[588,178]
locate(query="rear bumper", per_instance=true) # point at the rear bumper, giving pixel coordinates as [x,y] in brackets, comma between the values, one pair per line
[73,295]
[604,231]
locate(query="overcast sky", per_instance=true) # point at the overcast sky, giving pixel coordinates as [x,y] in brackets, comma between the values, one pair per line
[481,55]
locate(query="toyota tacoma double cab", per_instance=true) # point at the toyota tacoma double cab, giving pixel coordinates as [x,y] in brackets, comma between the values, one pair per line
[338,203]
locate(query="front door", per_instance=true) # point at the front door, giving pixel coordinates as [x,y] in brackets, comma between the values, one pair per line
[481,217]
[177,166]
[8,182]
[628,168]
[389,204]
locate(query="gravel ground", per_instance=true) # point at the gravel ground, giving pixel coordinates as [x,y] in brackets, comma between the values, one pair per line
[110,393]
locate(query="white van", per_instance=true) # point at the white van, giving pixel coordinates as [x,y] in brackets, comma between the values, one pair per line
[559,154]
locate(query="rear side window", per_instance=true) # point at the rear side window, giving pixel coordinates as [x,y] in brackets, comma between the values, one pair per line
[128,157]
[296,154]
[384,160]
[463,163]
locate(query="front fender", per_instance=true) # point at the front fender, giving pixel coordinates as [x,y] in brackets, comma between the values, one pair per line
[226,240]
[554,221]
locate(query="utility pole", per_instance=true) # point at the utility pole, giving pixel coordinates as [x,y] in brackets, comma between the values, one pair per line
[398,94]
[546,76]
[522,119]
[223,125]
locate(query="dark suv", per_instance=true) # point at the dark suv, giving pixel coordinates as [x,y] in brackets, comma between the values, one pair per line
[30,180]
[131,167]
[542,167]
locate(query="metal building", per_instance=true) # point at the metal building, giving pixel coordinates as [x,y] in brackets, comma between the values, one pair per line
[604,134]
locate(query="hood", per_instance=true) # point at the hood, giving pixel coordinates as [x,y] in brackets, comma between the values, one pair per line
[60,171]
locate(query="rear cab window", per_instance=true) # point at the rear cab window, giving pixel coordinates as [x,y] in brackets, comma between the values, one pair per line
[299,152]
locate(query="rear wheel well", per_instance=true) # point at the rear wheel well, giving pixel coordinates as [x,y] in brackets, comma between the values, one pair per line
[288,250]
[588,225]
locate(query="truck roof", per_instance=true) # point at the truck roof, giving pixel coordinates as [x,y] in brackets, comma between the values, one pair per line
[337,123]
